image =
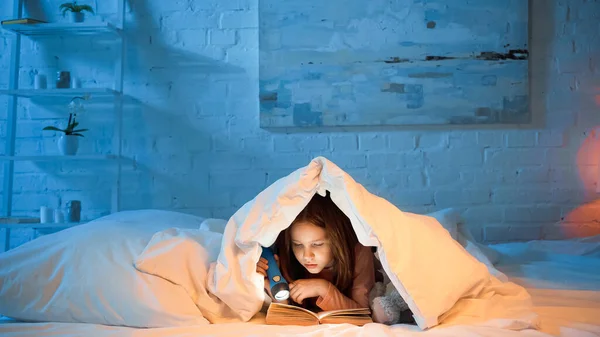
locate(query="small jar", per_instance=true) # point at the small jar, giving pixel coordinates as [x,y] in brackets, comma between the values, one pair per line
[39,81]
[63,79]
[59,216]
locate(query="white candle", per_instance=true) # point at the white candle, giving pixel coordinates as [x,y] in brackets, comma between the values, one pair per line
[40,82]
[59,216]
[45,214]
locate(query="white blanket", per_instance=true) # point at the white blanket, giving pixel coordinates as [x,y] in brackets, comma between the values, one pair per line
[438,278]
[433,273]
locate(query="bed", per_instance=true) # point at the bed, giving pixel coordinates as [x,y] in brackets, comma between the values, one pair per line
[161,273]
[563,278]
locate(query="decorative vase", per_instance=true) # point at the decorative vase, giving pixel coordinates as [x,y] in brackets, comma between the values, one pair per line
[77,16]
[68,145]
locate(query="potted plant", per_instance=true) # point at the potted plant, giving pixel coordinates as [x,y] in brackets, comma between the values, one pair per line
[77,11]
[68,143]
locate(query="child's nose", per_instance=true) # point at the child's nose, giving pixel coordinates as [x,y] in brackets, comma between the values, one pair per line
[308,253]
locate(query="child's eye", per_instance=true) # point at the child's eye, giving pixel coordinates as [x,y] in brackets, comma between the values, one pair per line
[317,244]
[297,245]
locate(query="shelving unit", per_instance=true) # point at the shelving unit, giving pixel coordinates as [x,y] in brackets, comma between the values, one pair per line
[43,225]
[53,29]
[61,93]
[61,158]
[98,95]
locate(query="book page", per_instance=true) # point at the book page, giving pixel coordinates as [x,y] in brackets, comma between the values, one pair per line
[357,317]
[280,307]
[283,314]
[344,312]
[357,320]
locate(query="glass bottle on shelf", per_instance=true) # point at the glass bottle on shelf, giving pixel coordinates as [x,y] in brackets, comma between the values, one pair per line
[63,80]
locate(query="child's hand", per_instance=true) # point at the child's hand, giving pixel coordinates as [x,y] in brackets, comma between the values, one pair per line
[308,288]
[262,265]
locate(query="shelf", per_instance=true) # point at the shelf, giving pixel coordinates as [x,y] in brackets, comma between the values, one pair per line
[41,225]
[61,93]
[19,220]
[60,158]
[58,29]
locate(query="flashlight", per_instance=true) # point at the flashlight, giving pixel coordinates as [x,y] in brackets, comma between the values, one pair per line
[278,284]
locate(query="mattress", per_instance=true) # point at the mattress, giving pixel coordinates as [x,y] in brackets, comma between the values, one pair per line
[563,278]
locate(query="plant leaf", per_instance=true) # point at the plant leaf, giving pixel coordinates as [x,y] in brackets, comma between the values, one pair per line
[80,130]
[74,7]
[53,128]
[66,7]
[76,134]
[86,8]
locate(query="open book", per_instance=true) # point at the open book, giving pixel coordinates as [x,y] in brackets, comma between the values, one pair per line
[21,21]
[284,314]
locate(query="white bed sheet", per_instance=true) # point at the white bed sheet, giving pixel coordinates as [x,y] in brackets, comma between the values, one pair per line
[565,289]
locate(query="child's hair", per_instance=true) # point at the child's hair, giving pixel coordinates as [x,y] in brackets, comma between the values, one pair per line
[322,212]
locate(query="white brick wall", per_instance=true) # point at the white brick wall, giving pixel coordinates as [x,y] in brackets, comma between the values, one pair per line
[193,67]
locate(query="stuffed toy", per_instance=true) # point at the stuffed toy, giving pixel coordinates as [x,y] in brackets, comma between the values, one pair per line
[387,306]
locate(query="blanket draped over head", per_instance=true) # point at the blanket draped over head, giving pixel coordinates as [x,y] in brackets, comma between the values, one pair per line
[437,277]
[440,279]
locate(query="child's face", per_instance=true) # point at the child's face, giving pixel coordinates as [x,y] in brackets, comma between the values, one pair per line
[311,246]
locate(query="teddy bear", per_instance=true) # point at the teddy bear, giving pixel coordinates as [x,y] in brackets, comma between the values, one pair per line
[387,306]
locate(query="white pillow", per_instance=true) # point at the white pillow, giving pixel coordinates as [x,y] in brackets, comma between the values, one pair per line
[449,218]
[214,225]
[86,274]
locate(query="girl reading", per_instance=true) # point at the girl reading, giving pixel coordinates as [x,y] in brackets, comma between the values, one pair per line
[322,260]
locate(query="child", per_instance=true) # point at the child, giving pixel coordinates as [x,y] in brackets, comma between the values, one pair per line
[320,256]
